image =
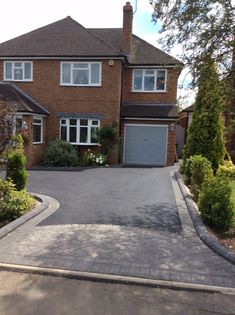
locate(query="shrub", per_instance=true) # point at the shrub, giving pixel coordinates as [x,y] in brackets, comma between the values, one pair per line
[227,170]
[108,136]
[215,204]
[16,170]
[60,153]
[200,170]
[13,203]
[90,158]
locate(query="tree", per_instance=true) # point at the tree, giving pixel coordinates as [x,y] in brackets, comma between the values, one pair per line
[7,126]
[206,131]
[203,28]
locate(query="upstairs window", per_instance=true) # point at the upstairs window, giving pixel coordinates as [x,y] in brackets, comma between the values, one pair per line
[18,71]
[81,73]
[80,131]
[149,80]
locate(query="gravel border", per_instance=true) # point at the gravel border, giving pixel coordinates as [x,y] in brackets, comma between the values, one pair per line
[202,232]
[27,216]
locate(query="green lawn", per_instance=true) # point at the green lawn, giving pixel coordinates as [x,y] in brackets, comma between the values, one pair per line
[232,183]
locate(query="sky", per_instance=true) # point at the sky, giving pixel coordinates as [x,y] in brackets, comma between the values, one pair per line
[28,15]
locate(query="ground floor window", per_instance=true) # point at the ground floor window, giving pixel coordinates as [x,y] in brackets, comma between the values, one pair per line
[79,131]
[37,130]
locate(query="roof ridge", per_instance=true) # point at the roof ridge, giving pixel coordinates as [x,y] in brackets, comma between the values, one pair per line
[29,97]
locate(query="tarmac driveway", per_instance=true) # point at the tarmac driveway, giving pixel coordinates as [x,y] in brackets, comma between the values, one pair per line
[136,197]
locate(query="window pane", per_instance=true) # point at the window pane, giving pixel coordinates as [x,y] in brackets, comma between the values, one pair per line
[83,134]
[151,72]
[94,135]
[95,73]
[72,134]
[95,122]
[63,121]
[63,133]
[138,80]
[18,74]
[161,80]
[73,122]
[66,72]
[80,65]
[149,83]
[37,121]
[8,69]
[18,124]
[80,76]
[27,71]
[37,133]
[83,122]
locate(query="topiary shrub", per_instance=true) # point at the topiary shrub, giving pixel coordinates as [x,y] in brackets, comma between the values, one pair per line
[16,168]
[227,170]
[215,203]
[13,203]
[200,170]
[60,153]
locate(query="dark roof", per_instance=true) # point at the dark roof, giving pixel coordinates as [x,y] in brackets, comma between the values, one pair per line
[68,38]
[149,110]
[188,109]
[142,52]
[63,38]
[18,100]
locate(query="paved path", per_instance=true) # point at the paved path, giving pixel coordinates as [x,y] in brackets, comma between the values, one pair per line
[158,253]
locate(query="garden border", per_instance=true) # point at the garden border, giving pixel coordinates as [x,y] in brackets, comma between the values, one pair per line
[27,216]
[202,232]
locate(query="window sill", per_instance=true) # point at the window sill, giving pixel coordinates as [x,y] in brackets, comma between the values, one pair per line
[85,85]
[37,142]
[85,144]
[25,81]
[133,91]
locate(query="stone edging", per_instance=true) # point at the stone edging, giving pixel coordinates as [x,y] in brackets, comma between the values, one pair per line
[27,216]
[202,232]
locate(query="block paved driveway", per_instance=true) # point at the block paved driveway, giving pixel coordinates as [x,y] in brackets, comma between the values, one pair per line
[124,221]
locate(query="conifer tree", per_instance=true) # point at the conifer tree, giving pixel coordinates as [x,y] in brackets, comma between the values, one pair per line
[206,131]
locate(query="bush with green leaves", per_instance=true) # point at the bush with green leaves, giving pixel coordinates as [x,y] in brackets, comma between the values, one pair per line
[227,170]
[200,170]
[215,203]
[60,153]
[108,136]
[13,203]
[16,168]
[89,159]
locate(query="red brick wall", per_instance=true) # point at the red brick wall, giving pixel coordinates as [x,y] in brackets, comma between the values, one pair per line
[160,97]
[171,136]
[46,90]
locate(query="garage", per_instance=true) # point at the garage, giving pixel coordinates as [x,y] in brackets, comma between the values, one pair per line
[145,144]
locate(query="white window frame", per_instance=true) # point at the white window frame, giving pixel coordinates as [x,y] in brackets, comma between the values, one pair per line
[38,124]
[71,73]
[78,126]
[13,67]
[155,74]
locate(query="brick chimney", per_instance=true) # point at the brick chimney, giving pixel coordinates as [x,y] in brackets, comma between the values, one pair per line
[127,28]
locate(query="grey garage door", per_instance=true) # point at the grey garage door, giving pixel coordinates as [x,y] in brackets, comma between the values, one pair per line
[145,145]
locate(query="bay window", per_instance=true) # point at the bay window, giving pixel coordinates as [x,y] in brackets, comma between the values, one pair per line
[149,80]
[80,131]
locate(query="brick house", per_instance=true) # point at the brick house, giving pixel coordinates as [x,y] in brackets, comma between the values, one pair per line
[66,81]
